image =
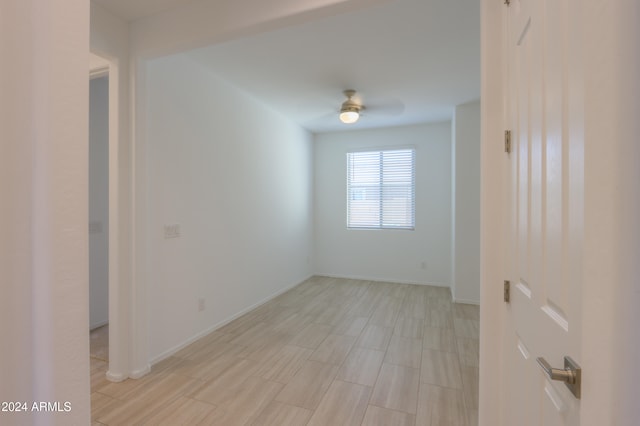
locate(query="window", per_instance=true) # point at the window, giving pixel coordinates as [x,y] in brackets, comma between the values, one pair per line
[381,189]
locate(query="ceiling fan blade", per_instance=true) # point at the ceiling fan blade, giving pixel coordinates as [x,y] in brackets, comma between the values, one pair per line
[388,107]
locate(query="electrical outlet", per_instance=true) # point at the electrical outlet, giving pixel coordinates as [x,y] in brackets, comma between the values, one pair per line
[201,304]
[172,231]
[423,265]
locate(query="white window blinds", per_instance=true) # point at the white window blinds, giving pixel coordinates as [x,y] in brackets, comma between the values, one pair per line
[381,189]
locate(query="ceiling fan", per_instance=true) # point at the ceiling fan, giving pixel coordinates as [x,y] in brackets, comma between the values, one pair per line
[356,106]
[352,107]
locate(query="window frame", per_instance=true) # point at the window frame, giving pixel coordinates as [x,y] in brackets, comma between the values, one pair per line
[380,223]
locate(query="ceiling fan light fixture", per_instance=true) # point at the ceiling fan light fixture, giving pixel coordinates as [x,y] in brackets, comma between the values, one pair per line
[349,114]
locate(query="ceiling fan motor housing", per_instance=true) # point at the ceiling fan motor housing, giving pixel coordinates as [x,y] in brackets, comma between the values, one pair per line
[350,105]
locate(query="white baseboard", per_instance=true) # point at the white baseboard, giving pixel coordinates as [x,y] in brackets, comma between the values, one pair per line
[467,301]
[136,374]
[116,377]
[384,280]
[222,323]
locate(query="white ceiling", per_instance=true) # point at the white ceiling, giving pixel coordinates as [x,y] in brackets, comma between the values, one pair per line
[411,61]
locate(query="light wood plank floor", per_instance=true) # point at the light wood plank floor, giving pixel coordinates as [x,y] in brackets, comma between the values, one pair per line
[328,352]
[99,343]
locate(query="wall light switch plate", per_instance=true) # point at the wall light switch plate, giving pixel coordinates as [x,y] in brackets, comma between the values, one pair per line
[172,231]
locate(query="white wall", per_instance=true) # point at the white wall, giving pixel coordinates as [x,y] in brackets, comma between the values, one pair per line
[237,178]
[44,315]
[98,202]
[386,255]
[466,203]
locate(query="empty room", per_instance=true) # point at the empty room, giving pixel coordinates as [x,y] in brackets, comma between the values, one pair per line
[292,260]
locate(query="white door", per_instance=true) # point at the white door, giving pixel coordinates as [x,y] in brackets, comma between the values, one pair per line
[546,208]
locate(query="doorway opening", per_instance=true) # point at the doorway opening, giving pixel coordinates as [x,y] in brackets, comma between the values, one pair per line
[107,302]
[99,214]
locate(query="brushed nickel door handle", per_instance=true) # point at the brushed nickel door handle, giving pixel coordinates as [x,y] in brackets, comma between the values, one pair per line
[571,374]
